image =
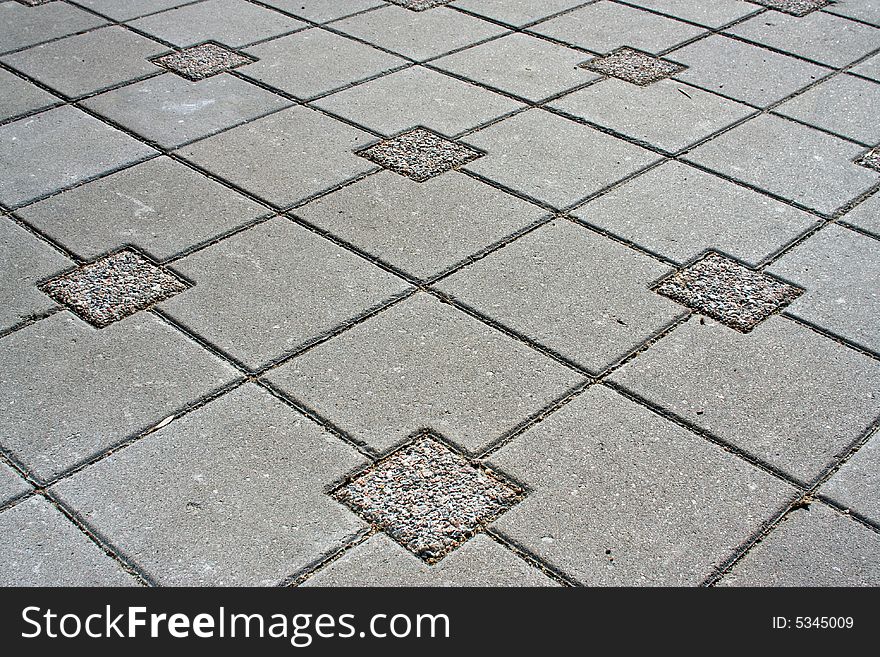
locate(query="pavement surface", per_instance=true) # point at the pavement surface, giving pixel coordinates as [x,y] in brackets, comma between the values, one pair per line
[420,292]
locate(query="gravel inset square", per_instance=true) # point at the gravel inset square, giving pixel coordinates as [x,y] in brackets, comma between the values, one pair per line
[728,291]
[114,287]
[428,498]
[419,154]
[420,5]
[634,66]
[871,159]
[793,7]
[203,61]
[34,3]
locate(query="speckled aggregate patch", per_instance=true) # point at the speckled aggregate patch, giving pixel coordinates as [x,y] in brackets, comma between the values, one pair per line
[420,5]
[728,291]
[203,61]
[113,287]
[428,498]
[33,3]
[419,154]
[633,66]
[793,7]
[871,159]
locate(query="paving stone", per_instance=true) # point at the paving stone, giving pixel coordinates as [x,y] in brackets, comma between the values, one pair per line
[620,496]
[840,270]
[759,391]
[12,484]
[124,11]
[62,147]
[286,157]
[24,262]
[233,23]
[43,548]
[245,475]
[22,26]
[83,64]
[744,71]
[423,364]
[275,288]
[161,207]
[633,66]
[516,12]
[711,14]
[870,68]
[667,115]
[678,211]
[417,96]
[598,288]
[843,105]
[863,10]
[812,547]
[19,97]
[794,161]
[419,154]
[418,34]
[793,7]
[481,562]
[415,236]
[315,62]
[127,376]
[322,11]
[552,159]
[204,61]
[428,497]
[605,26]
[866,215]
[818,36]
[172,111]
[856,485]
[521,65]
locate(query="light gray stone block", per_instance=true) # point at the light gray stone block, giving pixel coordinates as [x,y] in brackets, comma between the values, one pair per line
[711,14]
[516,12]
[865,215]
[124,11]
[322,11]
[19,97]
[863,10]
[856,485]
[22,26]
[870,68]
[12,484]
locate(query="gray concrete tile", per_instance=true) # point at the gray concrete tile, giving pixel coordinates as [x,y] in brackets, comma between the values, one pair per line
[321,11]
[315,62]
[233,23]
[713,14]
[161,207]
[812,547]
[516,12]
[744,71]
[86,63]
[418,34]
[43,548]
[127,377]
[12,484]
[636,500]
[552,159]
[245,474]
[863,10]
[866,215]
[22,26]
[840,271]
[434,225]
[759,391]
[521,65]
[63,147]
[24,262]
[856,485]
[124,11]
[667,114]
[275,288]
[678,211]
[285,157]
[172,111]
[597,288]
[422,364]
[844,105]
[481,562]
[19,97]
[604,26]
[794,161]
[870,68]
[818,36]
[417,96]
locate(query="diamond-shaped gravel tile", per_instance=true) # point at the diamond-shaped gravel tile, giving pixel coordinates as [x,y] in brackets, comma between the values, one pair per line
[420,5]
[728,291]
[871,159]
[428,498]
[34,3]
[793,7]
[114,287]
[633,66]
[419,154]
[203,61]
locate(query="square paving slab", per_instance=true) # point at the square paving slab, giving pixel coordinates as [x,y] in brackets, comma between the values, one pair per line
[856,485]
[22,26]
[711,14]
[18,97]
[863,10]
[322,11]
[865,216]
[516,12]
[12,485]
[123,11]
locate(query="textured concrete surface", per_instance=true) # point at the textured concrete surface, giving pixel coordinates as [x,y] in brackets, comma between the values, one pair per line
[477,222]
